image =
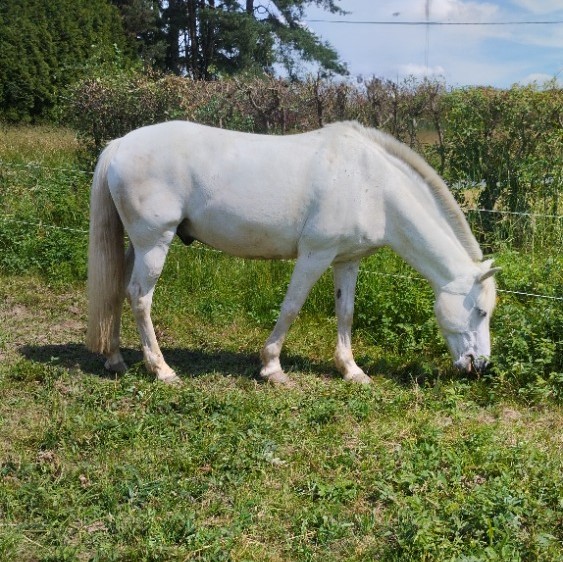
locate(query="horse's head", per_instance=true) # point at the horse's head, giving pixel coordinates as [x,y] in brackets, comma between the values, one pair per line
[463,310]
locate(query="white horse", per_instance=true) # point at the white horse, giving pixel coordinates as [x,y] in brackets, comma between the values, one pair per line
[328,197]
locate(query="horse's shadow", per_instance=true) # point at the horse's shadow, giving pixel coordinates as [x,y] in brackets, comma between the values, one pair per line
[192,363]
[188,363]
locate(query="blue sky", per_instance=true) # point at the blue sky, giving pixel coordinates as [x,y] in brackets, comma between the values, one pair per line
[498,55]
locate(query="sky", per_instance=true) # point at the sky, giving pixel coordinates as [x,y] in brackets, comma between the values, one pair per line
[469,55]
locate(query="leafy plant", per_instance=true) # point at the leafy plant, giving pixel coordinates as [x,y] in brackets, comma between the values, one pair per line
[502,142]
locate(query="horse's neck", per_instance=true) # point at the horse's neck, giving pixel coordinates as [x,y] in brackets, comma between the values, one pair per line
[425,240]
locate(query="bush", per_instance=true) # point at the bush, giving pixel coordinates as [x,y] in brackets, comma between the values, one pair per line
[105,108]
[507,144]
[45,45]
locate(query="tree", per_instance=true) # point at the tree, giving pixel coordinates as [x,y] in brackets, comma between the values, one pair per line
[294,41]
[47,44]
[143,25]
[207,38]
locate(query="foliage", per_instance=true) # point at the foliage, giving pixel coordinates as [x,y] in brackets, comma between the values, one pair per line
[507,142]
[143,27]
[108,106]
[103,108]
[221,39]
[47,44]
[205,39]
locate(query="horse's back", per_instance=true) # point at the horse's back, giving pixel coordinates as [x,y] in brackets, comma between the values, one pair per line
[242,193]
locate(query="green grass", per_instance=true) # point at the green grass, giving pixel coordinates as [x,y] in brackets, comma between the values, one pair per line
[225,468]
[424,465]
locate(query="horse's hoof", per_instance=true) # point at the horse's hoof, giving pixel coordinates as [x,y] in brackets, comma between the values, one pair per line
[119,367]
[172,378]
[278,378]
[359,378]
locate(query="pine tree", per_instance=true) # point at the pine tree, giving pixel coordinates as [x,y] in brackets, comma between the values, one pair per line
[144,28]
[207,38]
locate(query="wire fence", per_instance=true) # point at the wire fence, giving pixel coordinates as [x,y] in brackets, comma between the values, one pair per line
[40,166]
[200,248]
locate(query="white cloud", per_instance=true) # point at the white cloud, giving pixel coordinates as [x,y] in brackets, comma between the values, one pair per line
[540,6]
[552,38]
[421,71]
[459,11]
[539,78]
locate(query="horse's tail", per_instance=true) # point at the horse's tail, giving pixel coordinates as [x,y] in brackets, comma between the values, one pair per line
[106,260]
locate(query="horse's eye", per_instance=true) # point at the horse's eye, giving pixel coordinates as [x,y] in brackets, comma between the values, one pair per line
[481,312]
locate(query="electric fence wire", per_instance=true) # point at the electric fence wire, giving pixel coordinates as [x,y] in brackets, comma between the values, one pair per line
[41,224]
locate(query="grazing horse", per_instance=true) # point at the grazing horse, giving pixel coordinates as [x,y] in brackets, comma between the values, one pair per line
[327,197]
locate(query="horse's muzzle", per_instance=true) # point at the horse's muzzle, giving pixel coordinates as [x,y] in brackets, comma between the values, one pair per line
[470,364]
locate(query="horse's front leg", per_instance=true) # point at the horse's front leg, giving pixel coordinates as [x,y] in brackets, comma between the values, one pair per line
[345,276]
[308,268]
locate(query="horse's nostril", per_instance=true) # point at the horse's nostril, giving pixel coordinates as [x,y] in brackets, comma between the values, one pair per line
[481,365]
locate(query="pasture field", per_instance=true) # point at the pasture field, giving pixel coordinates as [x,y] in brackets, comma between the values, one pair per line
[425,464]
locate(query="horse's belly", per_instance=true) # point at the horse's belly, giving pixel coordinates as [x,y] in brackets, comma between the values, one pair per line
[245,238]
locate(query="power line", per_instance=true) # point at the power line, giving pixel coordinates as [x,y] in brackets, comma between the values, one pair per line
[435,23]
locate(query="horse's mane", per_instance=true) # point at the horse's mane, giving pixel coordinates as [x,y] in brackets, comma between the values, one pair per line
[437,186]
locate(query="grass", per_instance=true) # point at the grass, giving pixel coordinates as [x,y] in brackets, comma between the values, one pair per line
[102,468]
[424,465]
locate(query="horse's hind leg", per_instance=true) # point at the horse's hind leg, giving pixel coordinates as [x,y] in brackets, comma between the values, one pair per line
[308,269]
[345,276]
[147,267]
[114,359]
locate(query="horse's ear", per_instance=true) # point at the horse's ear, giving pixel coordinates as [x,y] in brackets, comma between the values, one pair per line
[490,273]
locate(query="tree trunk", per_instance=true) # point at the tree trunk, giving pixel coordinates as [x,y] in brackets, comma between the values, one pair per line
[207,37]
[192,49]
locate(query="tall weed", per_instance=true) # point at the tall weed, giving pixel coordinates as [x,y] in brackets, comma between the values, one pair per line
[44,219]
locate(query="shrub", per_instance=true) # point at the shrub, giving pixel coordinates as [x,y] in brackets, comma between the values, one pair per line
[107,107]
[507,143]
